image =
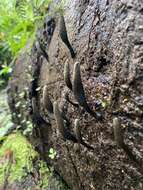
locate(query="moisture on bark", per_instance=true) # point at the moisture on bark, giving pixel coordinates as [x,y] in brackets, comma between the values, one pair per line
[108,39]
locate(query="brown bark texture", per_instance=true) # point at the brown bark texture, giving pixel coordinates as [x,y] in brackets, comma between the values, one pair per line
[107,37]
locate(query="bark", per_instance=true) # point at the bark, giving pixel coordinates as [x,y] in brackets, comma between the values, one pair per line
[107,38]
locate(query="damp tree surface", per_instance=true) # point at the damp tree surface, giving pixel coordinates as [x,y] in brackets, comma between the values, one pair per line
[83,93]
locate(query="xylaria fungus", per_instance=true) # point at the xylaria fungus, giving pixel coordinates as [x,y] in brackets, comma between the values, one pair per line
[77,129]
[47,104]
[78,87]
[118,133]
[67,75]
[63,111]
[60,124]
[64,36]
[119,138]
[79,93]
[58,118]
[72,103]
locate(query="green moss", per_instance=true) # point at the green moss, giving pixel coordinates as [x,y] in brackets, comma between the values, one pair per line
[16,146]
[45,173]
[22,157]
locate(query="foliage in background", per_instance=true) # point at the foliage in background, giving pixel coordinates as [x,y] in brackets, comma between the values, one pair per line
[18,20]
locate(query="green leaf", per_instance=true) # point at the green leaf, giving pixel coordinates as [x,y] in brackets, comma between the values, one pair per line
[5,70]
[52,153]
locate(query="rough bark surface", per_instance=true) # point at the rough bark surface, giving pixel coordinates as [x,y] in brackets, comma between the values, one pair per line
[107,37]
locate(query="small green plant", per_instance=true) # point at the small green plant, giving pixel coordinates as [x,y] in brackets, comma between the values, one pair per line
[52,153]
[5,70]
[5,73]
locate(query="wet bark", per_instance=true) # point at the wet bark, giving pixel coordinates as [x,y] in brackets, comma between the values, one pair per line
[107,39]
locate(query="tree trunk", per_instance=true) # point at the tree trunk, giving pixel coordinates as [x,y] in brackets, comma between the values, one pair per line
[107,38]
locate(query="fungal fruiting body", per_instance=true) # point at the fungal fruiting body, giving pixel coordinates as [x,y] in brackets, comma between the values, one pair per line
[64,36]
[67,75]
[78,87]
[79,136]
[47,104]
[60,124]
[79,93]
[118,133]
[58,118]
[119,138]
[77,129]
[69,101]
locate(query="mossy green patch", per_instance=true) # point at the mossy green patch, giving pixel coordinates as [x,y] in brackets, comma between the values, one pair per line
[22,153]
[45,174]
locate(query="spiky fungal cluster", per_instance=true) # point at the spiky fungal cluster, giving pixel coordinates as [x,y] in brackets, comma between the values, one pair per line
[78,91]
[76,87]
[39,50]
[64,36]
[63,125]
[40,47]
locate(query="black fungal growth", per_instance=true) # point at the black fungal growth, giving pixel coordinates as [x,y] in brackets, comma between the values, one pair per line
[72,103]
[61,125]
[39,50]
[67,135]
[67,75]
[119,138]
[77,129]
[79,93]
[47,104]
[118,133]
[64,36]
[79,136]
